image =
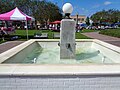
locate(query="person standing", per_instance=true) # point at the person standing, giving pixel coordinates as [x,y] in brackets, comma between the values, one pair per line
[3,33]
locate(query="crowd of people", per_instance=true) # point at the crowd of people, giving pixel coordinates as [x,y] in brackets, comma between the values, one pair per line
[6,29]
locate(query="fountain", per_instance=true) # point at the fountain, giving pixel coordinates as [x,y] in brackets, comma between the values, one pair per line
[69,51]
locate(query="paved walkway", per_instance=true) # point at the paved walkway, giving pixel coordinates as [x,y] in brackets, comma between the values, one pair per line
[109,39]
[8,45]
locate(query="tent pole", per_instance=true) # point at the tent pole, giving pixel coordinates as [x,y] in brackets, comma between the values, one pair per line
[26,30]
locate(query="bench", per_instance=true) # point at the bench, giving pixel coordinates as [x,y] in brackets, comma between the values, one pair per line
[41,36]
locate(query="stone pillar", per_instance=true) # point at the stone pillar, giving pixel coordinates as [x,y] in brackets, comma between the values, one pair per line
[67,39]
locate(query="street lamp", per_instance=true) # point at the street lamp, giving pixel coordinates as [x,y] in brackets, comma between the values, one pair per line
[67,9]
[77,19]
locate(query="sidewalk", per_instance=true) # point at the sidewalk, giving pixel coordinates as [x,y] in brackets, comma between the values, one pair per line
[108,39]
[8,45]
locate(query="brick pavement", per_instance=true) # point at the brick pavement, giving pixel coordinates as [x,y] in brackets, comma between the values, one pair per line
[8,45]
[60,82]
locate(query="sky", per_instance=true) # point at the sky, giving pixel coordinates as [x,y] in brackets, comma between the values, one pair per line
[89,7]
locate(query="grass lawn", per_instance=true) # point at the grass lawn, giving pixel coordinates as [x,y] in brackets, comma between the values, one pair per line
[1,41]
[22,34]
[111,32]
[87,30]
[50,33]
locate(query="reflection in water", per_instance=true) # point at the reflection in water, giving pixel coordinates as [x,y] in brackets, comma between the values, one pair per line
[86,55]
[52,56]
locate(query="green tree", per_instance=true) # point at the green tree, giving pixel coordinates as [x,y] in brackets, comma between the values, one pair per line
[41,10]
[87,21]
[110,16]
[44,11]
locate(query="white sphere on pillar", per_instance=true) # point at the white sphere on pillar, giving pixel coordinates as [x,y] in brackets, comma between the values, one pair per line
[67,8]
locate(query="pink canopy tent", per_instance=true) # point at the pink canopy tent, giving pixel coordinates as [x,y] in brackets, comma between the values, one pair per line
[16,14]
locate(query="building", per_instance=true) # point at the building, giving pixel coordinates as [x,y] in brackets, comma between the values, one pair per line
[79,18]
